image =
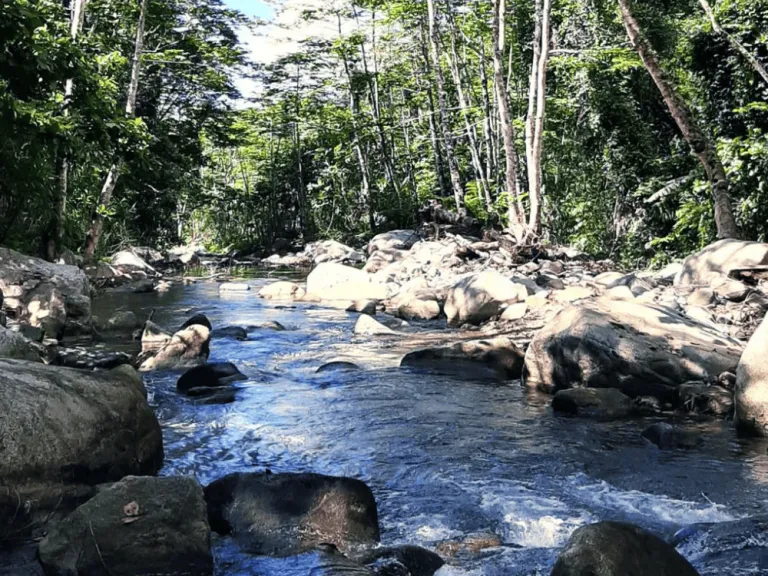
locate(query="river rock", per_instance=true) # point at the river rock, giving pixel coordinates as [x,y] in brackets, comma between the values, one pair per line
[515,312]
[382,258]
[211,375]
[330,281]
[90,358]
[43,294]
[188,347]
[63,429]
[401,561]
[285,514]
[368,326]
[14,345]
[234,332]
[751,397]
[121,321]
[282,290]
[416,301]
[128,259]
[496,358]
[640,349]
[234,287]
[618,549]
[396,239]
[698,398]
[362,307]
[471,544]
[599,403]
[479,297]
[668,437]
[719,259]
[332,251]
[337,366]
[730,289]
[153,337]
[573,293]
[136,527]
[701,297]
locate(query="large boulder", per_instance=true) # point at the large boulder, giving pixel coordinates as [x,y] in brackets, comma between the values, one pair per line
[719,259]
[45,295]
[285,514]
[619,549]
[396,239]
[136,527]
[640,349]
[331,281]
[416,301]
[282,290]
[64,430]
[479,297]
[599,403]
[497,358]
[368,326]
[332,251]
[130,260]
[188,347]
[751,396]
[14,345]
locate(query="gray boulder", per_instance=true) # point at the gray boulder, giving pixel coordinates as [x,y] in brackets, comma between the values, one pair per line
[286,514]
[751,396]
[45,295]
[396,239]
[640,349]
[479,297]
[65,430]
[719,259]
[136,527]
[618,549]
[14,345]
[497,358]
[598,403]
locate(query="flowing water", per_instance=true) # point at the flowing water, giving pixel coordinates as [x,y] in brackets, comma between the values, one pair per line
[444,457]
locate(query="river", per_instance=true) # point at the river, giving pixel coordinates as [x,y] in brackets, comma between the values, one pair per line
[444,457]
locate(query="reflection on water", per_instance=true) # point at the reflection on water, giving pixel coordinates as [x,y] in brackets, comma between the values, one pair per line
[443,457]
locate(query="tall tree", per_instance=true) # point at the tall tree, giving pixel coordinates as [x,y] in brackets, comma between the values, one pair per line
[516,218]
[442,104]
[108,189]
[691,131]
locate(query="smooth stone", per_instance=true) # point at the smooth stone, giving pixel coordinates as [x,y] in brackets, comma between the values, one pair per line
[496,358]
[234,287]
[209,376]
[236,332]
[668,437]
[368,326]
[751,396]
[599,403]
[337,366]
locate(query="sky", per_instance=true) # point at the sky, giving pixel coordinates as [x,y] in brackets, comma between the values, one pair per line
[256,8]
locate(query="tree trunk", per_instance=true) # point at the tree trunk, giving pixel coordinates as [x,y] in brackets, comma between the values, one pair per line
[516,219]
[453,168]
[534,170]
[693,134]
[56,224]
[530,119]
[740,48]
[97,225]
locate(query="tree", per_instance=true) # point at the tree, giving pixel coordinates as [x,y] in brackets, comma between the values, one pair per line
[693,134]
[107,190]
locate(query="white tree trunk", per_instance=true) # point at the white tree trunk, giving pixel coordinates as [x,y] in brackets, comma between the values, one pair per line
[534,170]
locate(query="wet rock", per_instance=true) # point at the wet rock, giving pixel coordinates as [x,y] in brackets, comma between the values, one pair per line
[719,259]
[234,332]
[496,358]
[599,403]
[329,281]
[63,430]
[698,398]
[285,514]
[14,345]
[90,358]
[479,297]
[368,326]
[153,337]
[145,286]
[668,437]
[751,397]
[618,549]
[270,325]
[401,561]
[282,290]
[515,312]
[188,347]
[197,319]
[165,532]
[362,307]
[234,287]
[470,544]
[639,349]
[218,398]
[396,239]
[42,294]
[337,366]
[209,376]
[122,321]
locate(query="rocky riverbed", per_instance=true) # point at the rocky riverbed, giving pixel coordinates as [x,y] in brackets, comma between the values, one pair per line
[393,420]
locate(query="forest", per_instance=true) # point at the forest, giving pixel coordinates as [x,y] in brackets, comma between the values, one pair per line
[630,130]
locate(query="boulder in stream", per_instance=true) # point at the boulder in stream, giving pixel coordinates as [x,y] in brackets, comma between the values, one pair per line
[599,403]
[640,349]
[751,397]
[330,281]
[619,549]
[234,332]
[369,326]
[188,347]
[64,431]
[479,297]
[214,375]
[496,358]
[286,514]
[136,527]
